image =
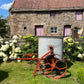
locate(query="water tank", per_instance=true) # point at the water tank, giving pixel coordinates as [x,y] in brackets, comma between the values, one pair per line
[45,41]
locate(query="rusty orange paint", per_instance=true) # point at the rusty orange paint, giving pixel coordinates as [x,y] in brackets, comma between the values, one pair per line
[53,64]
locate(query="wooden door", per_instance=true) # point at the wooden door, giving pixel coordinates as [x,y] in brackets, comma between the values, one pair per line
[39,31]
[67,30]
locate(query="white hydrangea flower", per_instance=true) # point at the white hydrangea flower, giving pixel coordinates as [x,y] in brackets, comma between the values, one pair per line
[15,37]
[5,47]
[11,56]
[77,42]
[1,54]
[5,59]
[69,49]
[70,44]
[1,40]
[70,40]
[79,47]
[83,54]
[18,60]
[17,49]
[64,40]
[11,44]
[80,56]
[0,49]
[6,42]
[13,48]
[15,55]
[14,41]
[10,52]
[4,55]
[10,40]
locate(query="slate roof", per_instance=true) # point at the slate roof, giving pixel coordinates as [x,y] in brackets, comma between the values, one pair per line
[47,4]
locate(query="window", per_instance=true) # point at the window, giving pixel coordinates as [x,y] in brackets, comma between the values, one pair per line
[52,14]
[79,15]
[54,30]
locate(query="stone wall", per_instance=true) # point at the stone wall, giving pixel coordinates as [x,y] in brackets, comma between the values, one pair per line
[19,20]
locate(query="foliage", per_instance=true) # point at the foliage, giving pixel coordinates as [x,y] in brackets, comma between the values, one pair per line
[9,49]
[80,75]
[1,40]
[75,33]
[31,45]
[72,49]
[35,81]
[3,27]
[82,41]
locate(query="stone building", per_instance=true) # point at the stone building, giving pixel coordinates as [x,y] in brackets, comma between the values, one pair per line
[46,17]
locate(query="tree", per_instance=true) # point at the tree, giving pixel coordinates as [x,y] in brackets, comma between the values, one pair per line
[75,33]
[3,27]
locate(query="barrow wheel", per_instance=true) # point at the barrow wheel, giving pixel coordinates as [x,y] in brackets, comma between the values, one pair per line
[54,68]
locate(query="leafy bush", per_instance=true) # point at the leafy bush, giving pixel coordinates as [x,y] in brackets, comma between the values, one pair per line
[4,28]
[31,45]
[9,49]
[72,49]
[82,41]
[1,41]
[80,75]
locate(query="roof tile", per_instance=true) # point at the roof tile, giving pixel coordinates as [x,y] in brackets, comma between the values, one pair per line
[39,4]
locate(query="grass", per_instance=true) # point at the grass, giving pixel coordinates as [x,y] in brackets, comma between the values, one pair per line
[21,73]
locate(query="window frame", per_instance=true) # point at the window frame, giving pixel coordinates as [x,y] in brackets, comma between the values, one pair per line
[52,14]
[39,26]
[81,13]
[53,30]
[65,27]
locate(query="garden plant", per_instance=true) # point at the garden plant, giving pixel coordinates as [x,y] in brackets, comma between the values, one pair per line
[31,45]
[72,49]
[9,49]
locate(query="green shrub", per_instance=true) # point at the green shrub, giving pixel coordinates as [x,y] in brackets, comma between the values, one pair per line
[82,41]
[31,45]
[9,49]
[80,75]
[4,28]
[72,49]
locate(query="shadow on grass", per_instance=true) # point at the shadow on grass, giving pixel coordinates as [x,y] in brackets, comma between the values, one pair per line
[3,75]
[68,74]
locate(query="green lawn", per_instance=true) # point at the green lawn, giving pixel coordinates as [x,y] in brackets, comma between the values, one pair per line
[21,73]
